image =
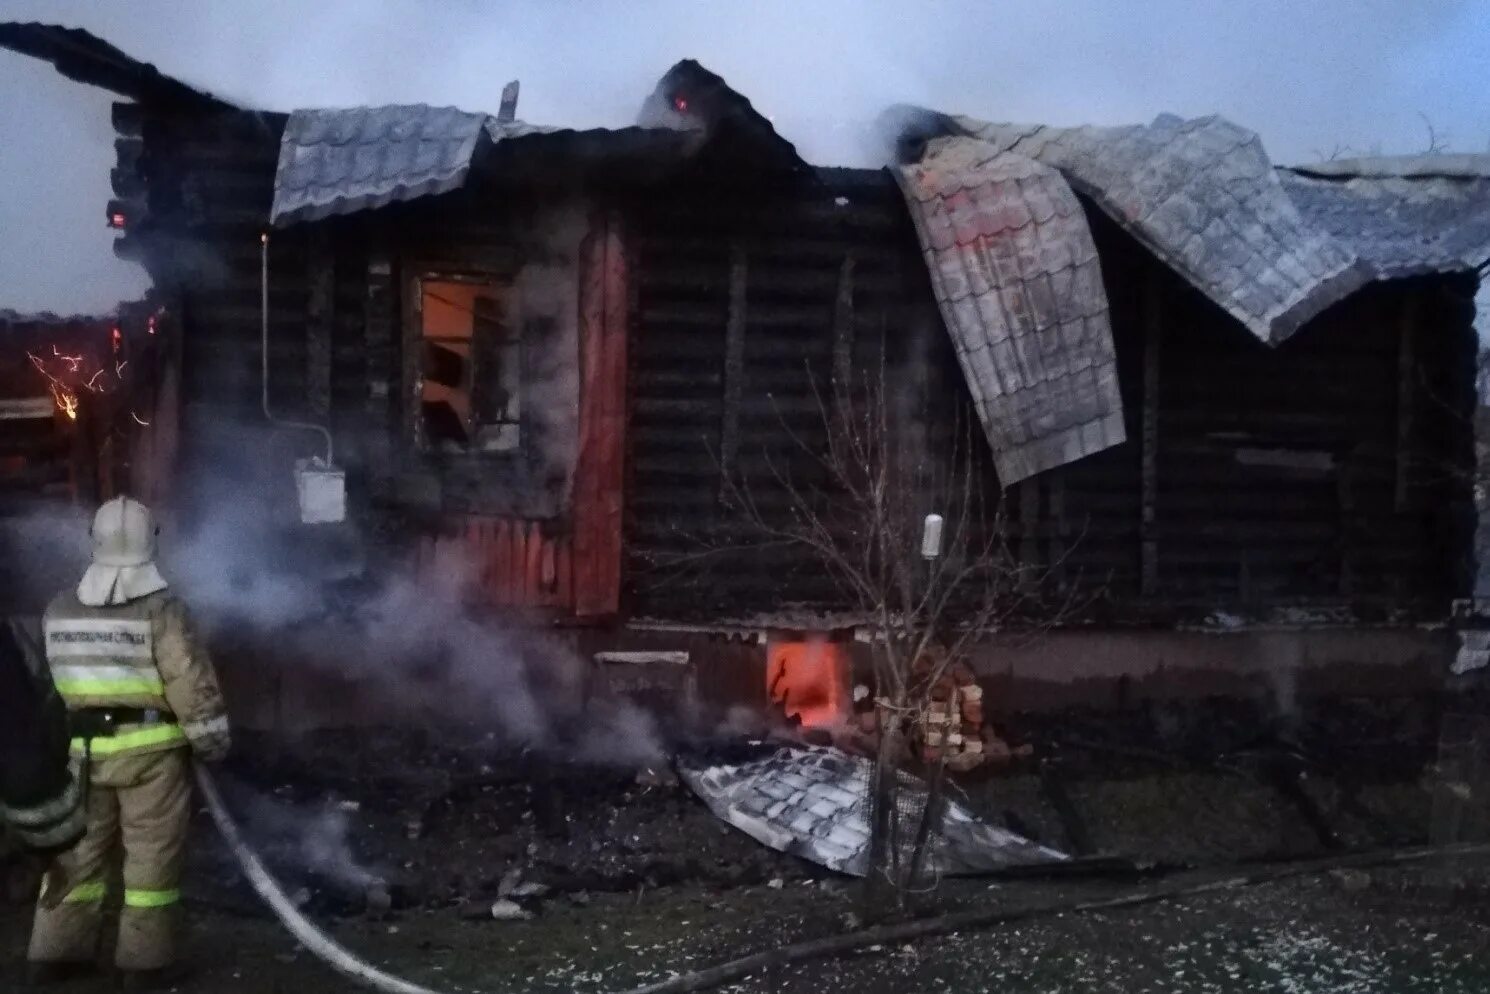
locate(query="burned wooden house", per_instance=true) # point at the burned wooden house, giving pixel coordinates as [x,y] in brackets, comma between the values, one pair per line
[1237,400]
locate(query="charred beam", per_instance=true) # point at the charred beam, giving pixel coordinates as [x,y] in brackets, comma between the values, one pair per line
[1406,367]
[843,325]
[378,339]
[1153,331]
[320,320]
[734,361]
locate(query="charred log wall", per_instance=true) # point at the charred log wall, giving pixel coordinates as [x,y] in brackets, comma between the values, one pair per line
[1327,473]
[747,308]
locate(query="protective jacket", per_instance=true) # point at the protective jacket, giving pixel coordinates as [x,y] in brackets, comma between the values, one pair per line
[139,655]
[40,794]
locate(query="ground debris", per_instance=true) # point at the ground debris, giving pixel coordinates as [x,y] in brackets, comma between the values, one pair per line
[504,910]
[1351,881]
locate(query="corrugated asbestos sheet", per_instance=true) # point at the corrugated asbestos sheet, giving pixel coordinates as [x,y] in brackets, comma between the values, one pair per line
[1404,216]
[1203,196]
[1017,279]
[343,161]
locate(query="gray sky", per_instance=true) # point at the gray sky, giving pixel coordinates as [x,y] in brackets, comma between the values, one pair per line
[1309,75]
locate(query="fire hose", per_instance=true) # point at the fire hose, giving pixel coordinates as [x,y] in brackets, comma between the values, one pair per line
[312,938]
[350,966]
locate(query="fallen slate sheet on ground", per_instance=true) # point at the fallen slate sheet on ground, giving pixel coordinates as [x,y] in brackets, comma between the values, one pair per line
[813,802]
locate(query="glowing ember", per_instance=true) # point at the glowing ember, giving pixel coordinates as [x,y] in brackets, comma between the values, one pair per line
[139,420]
[73,361]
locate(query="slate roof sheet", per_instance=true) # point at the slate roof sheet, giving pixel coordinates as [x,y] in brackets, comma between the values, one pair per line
[813,802]
[341,161]
[1402,216]
[1204,197]
[1016,276]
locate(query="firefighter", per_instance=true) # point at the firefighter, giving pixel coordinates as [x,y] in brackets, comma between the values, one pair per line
[142,699]
[40,796]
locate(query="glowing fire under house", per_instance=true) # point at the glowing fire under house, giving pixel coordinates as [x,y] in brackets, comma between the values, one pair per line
[1219,394]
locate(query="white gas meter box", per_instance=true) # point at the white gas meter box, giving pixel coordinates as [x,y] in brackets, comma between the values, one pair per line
[322,489]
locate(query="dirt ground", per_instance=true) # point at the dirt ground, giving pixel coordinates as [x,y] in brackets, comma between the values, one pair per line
[639,882]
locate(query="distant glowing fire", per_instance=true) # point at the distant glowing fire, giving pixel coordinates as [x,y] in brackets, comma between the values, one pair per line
[809,678]
[68,375]
[64,394]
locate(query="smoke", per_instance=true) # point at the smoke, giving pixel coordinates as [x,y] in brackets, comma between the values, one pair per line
[1308,77]
[40,553]
[281,597]
[319,838]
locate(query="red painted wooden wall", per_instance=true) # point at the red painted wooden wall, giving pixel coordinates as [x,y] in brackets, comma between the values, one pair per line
[571,566]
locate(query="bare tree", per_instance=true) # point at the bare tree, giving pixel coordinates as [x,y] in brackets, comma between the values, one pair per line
[856,496]
[1437,143]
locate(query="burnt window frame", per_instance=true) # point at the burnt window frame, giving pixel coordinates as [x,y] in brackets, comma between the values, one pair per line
[415,275]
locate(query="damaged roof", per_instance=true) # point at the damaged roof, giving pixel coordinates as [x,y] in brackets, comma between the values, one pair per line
[1011,261]
[340,161]
[343,161]
[1016,276]
[89,59]
[691,99]
[1204,197]
[360,158]
[1401,215]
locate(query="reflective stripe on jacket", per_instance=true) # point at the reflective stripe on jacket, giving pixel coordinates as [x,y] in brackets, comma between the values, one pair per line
[142,654]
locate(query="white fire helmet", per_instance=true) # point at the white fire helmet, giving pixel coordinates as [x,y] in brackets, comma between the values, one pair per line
[123,555]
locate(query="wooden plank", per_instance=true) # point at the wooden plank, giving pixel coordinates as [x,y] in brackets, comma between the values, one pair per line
[564,574]
[611,468]
[734,361]
[533,588]
[320,319]
[378,341]
[600,473]
[591,335]
[517,562]
[501,587]
[1060,524]
[548,573]
[1028,528]
[1153,330]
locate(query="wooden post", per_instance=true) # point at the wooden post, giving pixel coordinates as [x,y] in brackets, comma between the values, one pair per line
[1345,495]
[1406,374]
[378,344]
[1153,330]
[843,326]
[734,363]
[1029,528]
[1060,528]
[599,478]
